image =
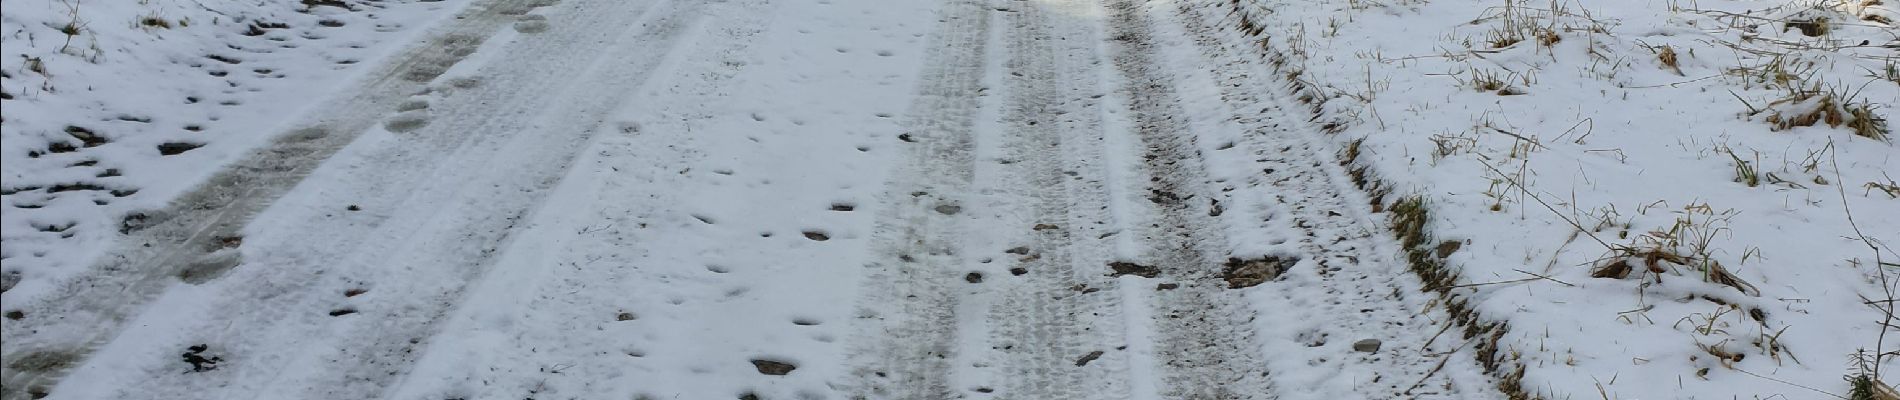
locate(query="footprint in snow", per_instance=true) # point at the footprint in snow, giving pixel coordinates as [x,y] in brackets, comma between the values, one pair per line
[532,24]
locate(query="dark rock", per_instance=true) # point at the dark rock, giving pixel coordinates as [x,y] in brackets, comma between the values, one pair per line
[176,148]
[1089,357]
[770,367]
[1128,268]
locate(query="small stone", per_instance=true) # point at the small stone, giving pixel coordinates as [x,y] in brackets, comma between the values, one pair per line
[770,367]
[1044,227]
[353,207]
[1367,345]
[1023,250]
[1089,357]
[1018,271]
[949,209]
[1167,286]
[624,316]
[817,236]
[974,277]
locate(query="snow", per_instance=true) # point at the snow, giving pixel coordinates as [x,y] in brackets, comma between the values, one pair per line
[1601,132]
[648,199]
[136,87]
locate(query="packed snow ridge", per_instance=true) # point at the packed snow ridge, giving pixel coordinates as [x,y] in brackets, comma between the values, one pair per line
[1013,199]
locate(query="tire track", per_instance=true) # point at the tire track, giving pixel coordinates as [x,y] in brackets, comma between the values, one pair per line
[1066,308]
[451,234]
[1364,288]
[192,234]
[1205,343]
[459,211]
[906,349]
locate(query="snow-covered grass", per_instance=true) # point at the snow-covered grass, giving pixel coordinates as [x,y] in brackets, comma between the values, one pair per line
[1625,199]
[112,108]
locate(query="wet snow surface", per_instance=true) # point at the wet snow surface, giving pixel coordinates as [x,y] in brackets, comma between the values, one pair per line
[830,199]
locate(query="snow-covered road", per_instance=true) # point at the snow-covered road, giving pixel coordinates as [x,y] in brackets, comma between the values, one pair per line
[659,199]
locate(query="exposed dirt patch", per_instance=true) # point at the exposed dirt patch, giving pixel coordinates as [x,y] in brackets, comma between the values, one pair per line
[1449,246]
[208,268]
[45,360]
[1249,273]
[1128,268]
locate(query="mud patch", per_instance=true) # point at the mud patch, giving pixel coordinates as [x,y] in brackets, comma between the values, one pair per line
[1128,268]
[1241,273]
[209,267]
[406,122]
[424,72]
[412,105]
[532,24]
[45,361]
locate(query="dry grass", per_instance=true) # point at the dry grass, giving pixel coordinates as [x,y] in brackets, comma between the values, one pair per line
[1813,105]
[151,21]
[1668,58]
[1688,243]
